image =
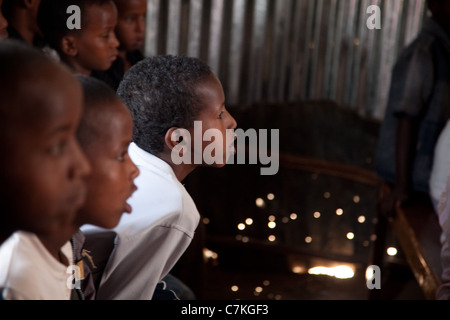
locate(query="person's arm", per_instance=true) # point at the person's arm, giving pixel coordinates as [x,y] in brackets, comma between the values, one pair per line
[405,143]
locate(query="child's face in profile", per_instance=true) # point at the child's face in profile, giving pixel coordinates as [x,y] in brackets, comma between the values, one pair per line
[130,29]
[43,180]
[111,182]
[96,43]
[3,24]
[214,115]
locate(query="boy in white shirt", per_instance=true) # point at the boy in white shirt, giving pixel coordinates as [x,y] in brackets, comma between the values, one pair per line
[165,95]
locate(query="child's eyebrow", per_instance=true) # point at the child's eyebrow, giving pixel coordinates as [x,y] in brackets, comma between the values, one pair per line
[60,129]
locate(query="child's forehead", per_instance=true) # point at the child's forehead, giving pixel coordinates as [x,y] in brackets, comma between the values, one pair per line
[96,13]
[131,4]
[44,98]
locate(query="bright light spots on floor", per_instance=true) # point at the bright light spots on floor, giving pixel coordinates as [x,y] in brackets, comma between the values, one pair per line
[392,251]
[361,219]
[340,272]
[241,226]
[316,214]
[271,238]
[272,224]
[308,239]
[327,195]
[339,212]
[206,220]
[356,199]
[350,235]
[249,221]
[271,218]
[258,291]
[209,254]
[298,269]
[270,196]
[293,216]
[260,202]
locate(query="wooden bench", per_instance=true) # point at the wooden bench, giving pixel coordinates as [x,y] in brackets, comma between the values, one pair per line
[417,229]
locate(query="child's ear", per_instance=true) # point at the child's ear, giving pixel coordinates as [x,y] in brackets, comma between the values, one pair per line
[68,46]
[171,138]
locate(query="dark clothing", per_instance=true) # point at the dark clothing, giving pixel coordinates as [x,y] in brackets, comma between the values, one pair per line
[91,253]
[114,75]
[38,42]
[85,289]
[420,89]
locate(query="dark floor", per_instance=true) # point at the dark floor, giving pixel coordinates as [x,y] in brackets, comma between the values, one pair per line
[268,231]
[332,226]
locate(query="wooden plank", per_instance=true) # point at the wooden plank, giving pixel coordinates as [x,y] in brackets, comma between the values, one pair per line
[330,168]
[417,229]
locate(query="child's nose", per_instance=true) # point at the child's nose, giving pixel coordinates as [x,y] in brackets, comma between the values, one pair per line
[114,41]
[134,170]
[233,123]
[3,22]
[140,27]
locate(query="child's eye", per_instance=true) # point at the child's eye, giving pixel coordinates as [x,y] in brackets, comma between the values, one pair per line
[121,157]
[221,115]
[58,148]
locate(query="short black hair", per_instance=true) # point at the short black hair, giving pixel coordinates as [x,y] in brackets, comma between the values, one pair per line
[21,65]
[52,18]
[98,96]
[160,92]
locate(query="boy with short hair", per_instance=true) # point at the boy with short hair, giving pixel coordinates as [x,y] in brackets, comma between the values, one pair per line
[22,17]
[130,32]
[94,46]
[42,170]
[164,94]
[104,133]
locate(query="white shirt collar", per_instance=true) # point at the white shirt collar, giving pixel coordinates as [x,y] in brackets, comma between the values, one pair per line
[141,157]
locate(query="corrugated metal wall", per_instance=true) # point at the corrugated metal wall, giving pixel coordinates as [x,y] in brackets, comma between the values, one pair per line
[289,50]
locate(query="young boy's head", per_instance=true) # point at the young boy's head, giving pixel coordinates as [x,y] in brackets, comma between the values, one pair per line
[22,15]
[42,167]
[3,23]
[167,93]
[130,29]
[105,132]
[94,45]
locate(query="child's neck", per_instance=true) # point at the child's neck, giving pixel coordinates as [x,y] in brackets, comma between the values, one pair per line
[181,170]
[53,245]
[20,21]
[76,67]
[126,63]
